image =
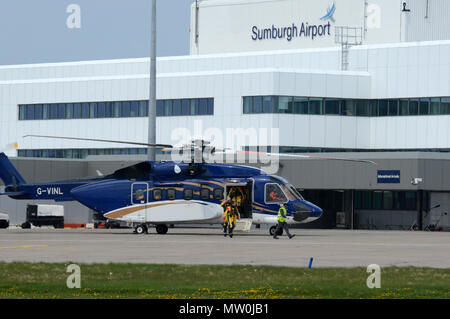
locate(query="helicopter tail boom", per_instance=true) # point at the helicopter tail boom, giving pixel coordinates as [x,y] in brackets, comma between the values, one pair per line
[8,173]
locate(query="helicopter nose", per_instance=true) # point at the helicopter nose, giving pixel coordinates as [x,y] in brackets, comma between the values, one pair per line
[303,211]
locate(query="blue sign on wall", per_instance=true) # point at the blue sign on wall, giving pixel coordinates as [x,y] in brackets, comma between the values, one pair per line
[388,177]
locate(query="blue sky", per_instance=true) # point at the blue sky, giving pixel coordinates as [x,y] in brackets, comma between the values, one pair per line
[35,31]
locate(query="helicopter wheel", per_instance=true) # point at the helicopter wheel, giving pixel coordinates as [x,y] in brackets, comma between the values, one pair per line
[161,229]
[140,229]
[272,231]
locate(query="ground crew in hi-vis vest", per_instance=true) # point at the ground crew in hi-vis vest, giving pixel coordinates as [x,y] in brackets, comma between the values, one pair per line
[230,214]
[282,224]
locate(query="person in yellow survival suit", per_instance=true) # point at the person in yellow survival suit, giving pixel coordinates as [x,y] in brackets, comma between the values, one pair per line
[230,215]
[236,194]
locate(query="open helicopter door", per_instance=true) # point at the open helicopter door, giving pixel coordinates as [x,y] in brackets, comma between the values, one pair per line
[139,193]
[243,193]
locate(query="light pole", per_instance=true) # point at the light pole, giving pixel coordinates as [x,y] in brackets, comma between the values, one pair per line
[152,96]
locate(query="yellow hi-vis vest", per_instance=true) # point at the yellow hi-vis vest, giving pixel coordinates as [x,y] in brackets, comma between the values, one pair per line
[282,215]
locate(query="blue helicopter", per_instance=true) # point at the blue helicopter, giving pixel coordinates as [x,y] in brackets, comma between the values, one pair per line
[163,193]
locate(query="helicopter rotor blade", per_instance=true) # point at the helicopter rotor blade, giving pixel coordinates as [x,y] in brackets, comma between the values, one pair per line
[101,140]
[309,156]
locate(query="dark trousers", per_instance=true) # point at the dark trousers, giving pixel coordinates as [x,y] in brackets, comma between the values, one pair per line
[226,226]
[281,226]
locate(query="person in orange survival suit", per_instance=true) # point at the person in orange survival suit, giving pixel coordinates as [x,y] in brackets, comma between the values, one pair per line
[230,215]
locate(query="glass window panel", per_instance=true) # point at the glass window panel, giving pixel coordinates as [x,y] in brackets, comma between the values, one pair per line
[210,106]
[403,107]
[362,108]
[434,106]
[176,107]
[168,108]
[413,107]
[382,108]
[333,106]
[204,193]
[300,105]
[202,107]
[366,199]
[445,105]
[108,109]
[424,107]
[69,111]
[126,108]
[247,104]
[348,107]
[315,106]
[159,108]
[92,110]
[45,111]
[22,112]
[392,107]
[134,109]
[101,110]
[188,194]
[194,107]
[77,110]
[117,106]
[373,107]
[185,107]
[143,108]
[410,201]
[61,111]
[377,198]
[53,111]
[387,200]
[274,194]
[257,104]
[38,111]
[30,112]
[85,110]
[267,104]
[284,104]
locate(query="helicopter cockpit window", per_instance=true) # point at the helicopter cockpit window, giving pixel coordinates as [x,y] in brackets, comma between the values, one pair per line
[204,193]
[188,194]
[157,194]
[171,194]
[274,194]
[290,194]
[218,193]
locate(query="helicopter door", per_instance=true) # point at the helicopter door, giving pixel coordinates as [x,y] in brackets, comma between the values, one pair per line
[139,193]
[244,193]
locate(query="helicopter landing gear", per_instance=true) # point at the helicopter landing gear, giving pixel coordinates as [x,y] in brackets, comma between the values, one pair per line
[141,229]
[272,231]
[162,229]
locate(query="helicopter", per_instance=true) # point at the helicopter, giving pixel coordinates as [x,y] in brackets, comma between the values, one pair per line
[162,193]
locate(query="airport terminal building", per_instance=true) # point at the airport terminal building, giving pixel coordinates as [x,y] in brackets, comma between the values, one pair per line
[370,79]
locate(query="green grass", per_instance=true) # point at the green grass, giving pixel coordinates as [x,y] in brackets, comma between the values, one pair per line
[41,280]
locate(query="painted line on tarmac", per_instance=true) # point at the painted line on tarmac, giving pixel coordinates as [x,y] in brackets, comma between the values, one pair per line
[22,246]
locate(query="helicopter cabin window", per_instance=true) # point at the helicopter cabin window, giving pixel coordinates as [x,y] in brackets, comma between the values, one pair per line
[188,194]
[140,194]
[274,194]
[204,193]
[171,194]
[218,193]
[157,194]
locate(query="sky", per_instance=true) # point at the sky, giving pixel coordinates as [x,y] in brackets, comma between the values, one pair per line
[38,31]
